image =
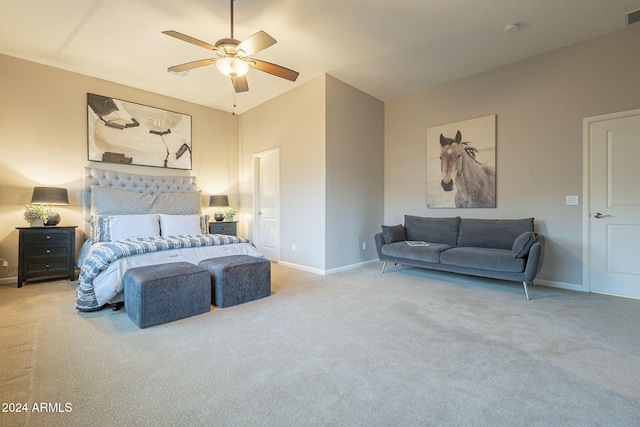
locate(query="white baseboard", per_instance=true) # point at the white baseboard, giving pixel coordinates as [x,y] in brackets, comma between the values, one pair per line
[9,280]
[350,267]
[561,285]
[551,283]
[326,272]
[541,282]
[302,267]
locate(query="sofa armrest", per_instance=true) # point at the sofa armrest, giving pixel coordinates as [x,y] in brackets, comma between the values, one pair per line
[534,259]
[379,239]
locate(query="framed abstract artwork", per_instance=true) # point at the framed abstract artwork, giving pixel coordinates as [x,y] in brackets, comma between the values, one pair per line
[129,133]
[461,164]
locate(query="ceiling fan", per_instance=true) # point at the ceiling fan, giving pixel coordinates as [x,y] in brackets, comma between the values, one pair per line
[233,57]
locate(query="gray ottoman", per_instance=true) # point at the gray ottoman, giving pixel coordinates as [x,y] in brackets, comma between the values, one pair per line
[162,293]
[238,279]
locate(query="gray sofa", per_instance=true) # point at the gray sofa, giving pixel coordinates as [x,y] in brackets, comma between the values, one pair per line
[506,249]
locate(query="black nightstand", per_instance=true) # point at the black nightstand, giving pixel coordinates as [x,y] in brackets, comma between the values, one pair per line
[222,227]
[46,252]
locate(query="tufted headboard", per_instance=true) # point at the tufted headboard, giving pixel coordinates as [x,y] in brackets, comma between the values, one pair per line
[146,184]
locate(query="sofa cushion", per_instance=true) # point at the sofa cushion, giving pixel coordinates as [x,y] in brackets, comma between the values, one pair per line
[483,259]
[522,244]
[402,250]
[432,230]
[492,233]
[393,233]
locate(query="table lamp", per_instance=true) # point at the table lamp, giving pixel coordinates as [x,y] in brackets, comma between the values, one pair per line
[50,196]
[218,202]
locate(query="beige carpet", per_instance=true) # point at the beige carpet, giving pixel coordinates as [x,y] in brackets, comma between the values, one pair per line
[360,348]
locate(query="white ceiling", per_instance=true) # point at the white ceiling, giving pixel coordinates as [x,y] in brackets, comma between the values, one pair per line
[387,48]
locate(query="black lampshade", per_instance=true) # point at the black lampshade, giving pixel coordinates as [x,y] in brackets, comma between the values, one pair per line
[219,201]
[49,196]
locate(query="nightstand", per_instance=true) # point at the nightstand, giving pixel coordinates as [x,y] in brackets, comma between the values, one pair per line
[46,252]
[223,227]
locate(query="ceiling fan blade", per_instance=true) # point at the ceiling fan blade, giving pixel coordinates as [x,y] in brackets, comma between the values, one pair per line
[191,65]
[240,84]
[189,39]
[274,69]
[255,43]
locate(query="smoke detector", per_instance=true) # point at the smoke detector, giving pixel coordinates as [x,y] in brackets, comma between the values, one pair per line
[511,28]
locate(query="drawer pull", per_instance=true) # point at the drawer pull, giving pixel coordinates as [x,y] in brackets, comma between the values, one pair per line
[48,265]
[48,251]
[48,237]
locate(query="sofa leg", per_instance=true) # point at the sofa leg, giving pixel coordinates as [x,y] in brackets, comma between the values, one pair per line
[384,264]
[526,292]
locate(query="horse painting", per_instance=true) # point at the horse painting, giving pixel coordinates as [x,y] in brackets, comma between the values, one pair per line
[475,183]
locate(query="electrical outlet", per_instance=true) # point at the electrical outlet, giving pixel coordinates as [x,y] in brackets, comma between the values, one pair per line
[293,247]
[364,246]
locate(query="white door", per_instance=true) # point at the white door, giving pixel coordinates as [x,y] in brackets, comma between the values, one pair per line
[614,220]
[267,203]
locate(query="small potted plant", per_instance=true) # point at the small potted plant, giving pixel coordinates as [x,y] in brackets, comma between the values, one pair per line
[229,213]
[36,215]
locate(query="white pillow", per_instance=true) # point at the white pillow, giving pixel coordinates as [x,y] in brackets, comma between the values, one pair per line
[180,225]
[129,226]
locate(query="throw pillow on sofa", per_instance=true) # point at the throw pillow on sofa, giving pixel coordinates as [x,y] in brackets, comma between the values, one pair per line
[522,244]
[393,233]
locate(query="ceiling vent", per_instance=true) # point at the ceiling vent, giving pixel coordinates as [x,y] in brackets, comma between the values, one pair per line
[631,18]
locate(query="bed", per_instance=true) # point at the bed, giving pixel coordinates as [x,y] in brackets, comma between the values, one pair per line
[138,220]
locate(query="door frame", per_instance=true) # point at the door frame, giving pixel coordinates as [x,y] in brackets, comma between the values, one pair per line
[255,162]
[586,189]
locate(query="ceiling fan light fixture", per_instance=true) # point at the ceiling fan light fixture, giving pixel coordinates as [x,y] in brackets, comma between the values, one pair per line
[232,67]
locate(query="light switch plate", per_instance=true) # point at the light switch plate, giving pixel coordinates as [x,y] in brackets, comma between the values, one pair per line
[572,200]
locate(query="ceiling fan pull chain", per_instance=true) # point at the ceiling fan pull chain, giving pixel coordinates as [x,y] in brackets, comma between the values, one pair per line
[233,111]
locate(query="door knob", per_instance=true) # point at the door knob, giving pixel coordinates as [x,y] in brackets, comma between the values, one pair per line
[598,215]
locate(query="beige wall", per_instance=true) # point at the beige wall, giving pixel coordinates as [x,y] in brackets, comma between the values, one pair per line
[540,103]
[330,137]
[295,123]
[355,174]
[44,141]
[43,137]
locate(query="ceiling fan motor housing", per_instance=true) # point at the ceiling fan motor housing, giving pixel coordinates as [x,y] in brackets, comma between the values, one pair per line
[228,45]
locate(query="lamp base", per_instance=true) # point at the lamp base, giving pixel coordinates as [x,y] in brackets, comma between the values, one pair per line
[218,216]
[53,219]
